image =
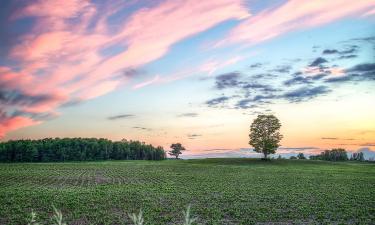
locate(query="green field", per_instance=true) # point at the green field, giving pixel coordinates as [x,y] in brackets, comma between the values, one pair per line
[221,191]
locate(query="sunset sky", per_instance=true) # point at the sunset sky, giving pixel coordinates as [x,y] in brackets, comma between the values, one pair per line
[189,71]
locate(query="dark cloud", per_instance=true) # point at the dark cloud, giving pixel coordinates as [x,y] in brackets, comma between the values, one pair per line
[216,101]
[339,79]
[72,102]
[35,116]
[262,76]
[297,80]
[121,116]
[11,30]
[365,67]
[369,39]
[142,128]
[227,80]
[318,62]
[131,72]
[256,90]
[329,138]
[347,53]
[349,50]
[193,136]
[257,86]
[245,104]
[188,115]
[282,69]
[14,98]
[330,51]
[348,56]
[255,101]
[318,76]
[14,102]
[305,93]
[360,72]
[298,95]
[255,65]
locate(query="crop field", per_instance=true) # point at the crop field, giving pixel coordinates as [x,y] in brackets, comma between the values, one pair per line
[220,191]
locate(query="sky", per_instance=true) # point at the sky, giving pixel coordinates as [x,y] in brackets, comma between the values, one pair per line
[189,71]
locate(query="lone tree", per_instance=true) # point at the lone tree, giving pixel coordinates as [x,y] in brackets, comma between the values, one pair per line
[264,134]
[301,156]
[176,150]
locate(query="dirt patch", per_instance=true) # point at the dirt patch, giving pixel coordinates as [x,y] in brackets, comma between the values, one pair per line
[100,178]
[81,221]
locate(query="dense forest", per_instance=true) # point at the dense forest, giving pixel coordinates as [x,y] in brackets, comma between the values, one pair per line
[77,149]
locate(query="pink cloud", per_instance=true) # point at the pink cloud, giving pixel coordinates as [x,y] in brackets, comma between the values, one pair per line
[63,59]
[14,123]
[56,8]
[295,15]
[150,32]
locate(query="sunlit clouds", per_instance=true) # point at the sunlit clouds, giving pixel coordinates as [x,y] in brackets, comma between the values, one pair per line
[191,71]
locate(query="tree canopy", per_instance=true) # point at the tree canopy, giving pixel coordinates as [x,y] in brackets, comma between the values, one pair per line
[301,156]
[264,134]
[77,149]
[176,150]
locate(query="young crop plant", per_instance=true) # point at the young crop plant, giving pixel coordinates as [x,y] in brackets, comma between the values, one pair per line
[33,218]
[58,217]
[137,219]
[188,219]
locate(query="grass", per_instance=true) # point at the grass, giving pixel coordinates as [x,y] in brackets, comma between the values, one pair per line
[220,191]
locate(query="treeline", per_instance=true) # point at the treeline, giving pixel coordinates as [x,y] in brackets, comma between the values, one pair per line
[77,149]
[338,154]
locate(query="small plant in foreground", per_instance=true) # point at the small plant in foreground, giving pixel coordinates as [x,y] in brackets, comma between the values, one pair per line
[137,219]
[57,217]
[188,219]
[33,219]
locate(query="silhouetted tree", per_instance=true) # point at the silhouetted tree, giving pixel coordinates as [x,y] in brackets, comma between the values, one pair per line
[336,154]
[293,157]
[264,134]
[301,156]
[176,150]
[357,156]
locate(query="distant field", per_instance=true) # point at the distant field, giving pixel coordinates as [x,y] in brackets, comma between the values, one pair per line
[221,191]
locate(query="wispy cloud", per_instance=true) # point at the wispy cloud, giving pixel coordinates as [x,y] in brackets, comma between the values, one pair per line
[65,54]
[147,82]
[142,128]
[227,80]
[193,136]
[216,101]
[188,115]
[121,116]
[294,15]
